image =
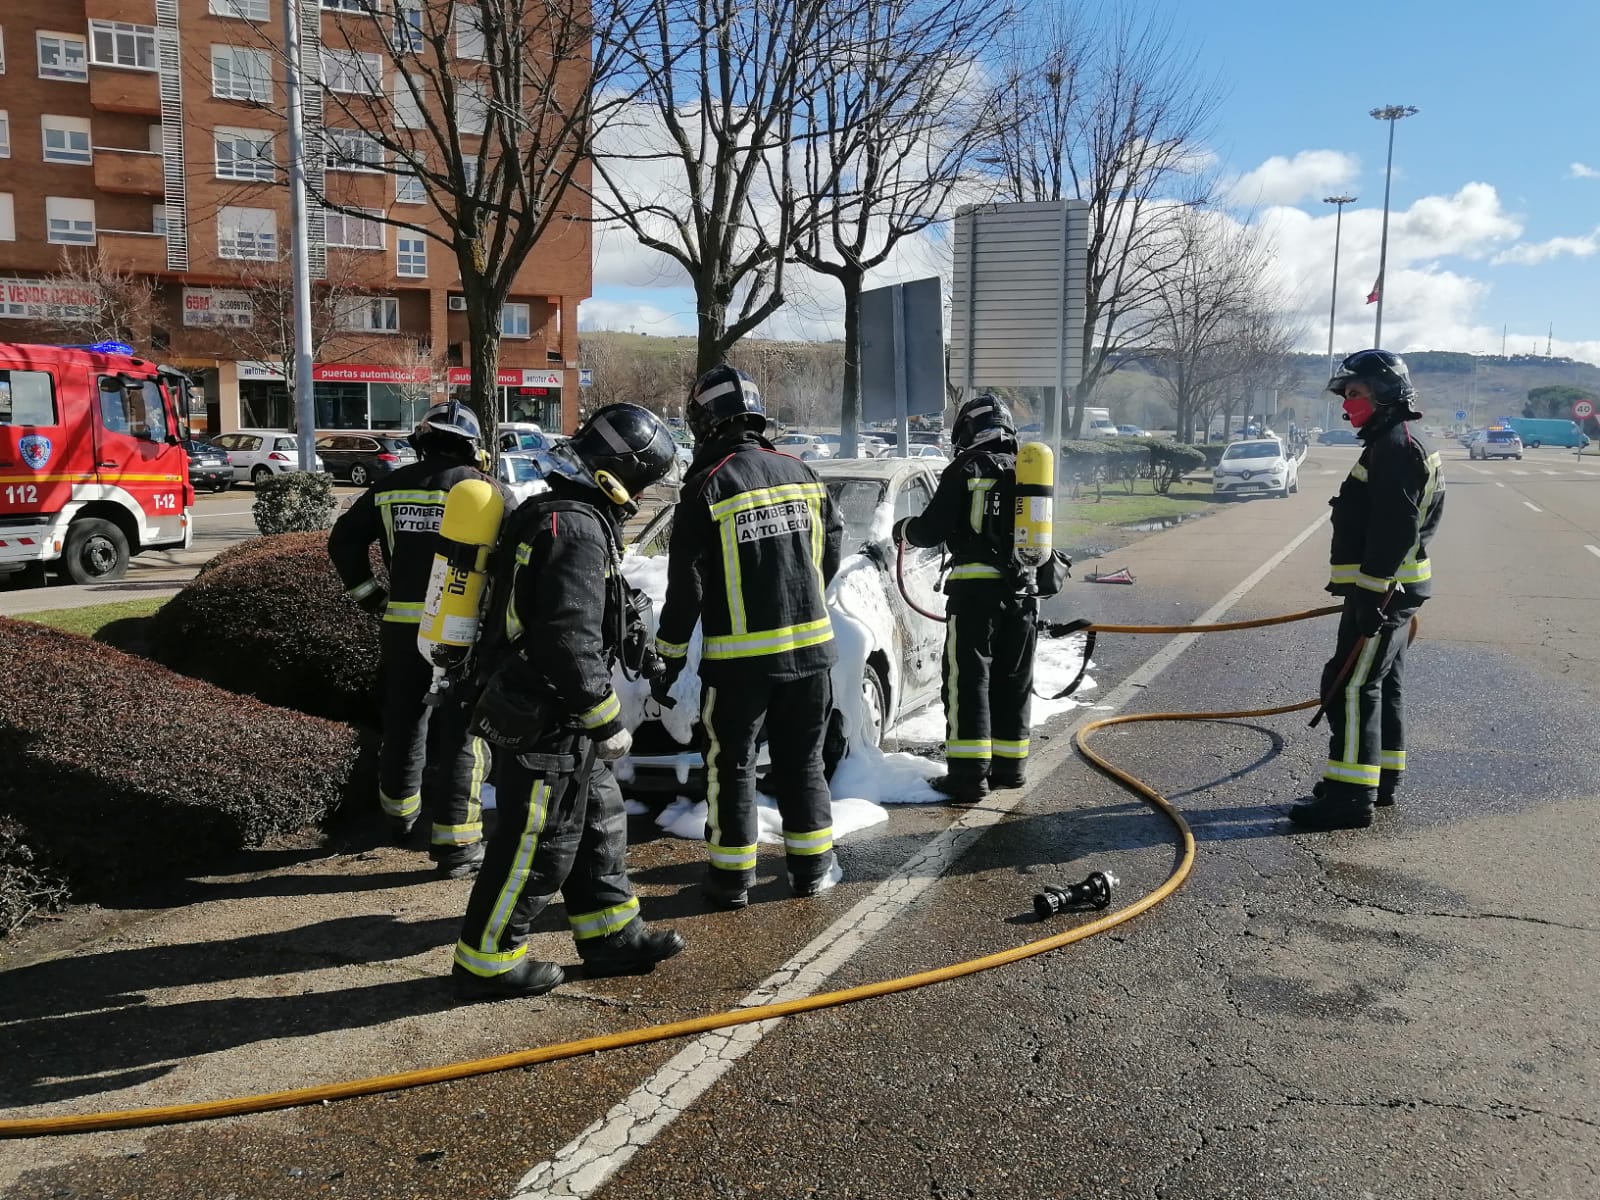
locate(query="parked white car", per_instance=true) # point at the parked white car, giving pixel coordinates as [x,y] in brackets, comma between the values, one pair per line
[805,446]
[522,472]
[1261,466]
[258,454]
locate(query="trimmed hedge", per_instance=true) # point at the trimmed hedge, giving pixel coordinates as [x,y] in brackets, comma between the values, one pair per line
[269,618]
[1124,460]
[299,502]
[114,770]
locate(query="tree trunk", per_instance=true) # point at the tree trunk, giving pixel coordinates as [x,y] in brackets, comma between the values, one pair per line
[711,324]
[483,351]
[850,398]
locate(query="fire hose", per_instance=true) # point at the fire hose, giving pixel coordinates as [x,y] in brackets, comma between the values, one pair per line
[1096,890]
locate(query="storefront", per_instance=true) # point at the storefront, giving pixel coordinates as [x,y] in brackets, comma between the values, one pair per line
[525,395]
[347,396]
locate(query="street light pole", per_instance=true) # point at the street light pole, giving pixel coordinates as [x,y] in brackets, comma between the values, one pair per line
[1333,303]
[1390,113]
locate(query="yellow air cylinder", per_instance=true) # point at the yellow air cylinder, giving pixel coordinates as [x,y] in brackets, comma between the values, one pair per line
[454,599]
[1033,530]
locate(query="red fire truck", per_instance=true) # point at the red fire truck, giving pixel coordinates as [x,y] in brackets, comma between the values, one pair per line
[92,465]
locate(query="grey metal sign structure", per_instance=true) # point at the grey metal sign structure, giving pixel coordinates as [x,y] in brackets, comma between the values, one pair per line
[1018,299]
[902,353]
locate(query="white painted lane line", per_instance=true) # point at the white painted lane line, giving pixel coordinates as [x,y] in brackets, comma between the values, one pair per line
[1514,471]
[1532,505]
[1585,471]
[1594,550]
[1549,472]
[584,1165]
[1477,470]
[1497,483]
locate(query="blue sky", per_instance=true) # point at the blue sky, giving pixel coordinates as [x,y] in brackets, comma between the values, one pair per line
[1494,221]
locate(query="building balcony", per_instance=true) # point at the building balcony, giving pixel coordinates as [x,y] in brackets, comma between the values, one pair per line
[138,253]
[128,172]
[115,90]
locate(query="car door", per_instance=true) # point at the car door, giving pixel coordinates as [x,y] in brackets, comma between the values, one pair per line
[137,449]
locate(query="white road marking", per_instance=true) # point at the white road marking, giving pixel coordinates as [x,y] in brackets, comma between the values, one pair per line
[1532,505]
[1549,472]
[1478,470]
[584,1165]
[1594,550]
[1585,471]
[1497,483]
[1514,471]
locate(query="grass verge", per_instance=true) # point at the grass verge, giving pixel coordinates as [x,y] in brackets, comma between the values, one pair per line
[89,619]
[1083,522]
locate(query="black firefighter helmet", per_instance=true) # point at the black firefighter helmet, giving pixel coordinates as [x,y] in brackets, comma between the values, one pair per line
[449,428]
[622,449]
[982,420]
[721,395]
[1383,371]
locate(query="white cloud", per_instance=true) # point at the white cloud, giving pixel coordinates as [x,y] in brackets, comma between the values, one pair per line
[1579,171]
[1279,180]
[1532,253]
[596,314]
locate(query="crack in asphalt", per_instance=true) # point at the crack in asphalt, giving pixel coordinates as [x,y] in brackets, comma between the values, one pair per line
[1500,1112]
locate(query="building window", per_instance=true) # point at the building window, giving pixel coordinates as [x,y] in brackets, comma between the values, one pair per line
[408,102]
[245,154]
[63,56]
[118,44]
[352,71]
[352,230]
[8,218]
[514,321]
[70,221]
[408,25]
[247,233]
[66,139]
[472,107]
[2,51]
[470,41]
[411,255]
[239,74]
[244,10]
[409,188]
[158,219]
[351,150]
[5,134]
[355,6]
[370,314]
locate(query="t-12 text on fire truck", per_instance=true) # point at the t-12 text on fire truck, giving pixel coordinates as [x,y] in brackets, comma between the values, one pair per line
[92,464]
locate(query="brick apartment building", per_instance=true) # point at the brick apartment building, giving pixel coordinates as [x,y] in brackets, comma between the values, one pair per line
[148,133]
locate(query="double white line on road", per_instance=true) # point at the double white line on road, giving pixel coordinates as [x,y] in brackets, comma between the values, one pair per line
[589,1161]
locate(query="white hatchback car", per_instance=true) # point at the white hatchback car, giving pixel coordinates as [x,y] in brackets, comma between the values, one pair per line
[1258,465]
[806,446]
[258,454]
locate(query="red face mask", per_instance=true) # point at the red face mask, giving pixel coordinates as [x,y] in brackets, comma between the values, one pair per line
[1358,410]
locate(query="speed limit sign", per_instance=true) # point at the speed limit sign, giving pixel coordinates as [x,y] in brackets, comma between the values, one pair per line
[1582,410]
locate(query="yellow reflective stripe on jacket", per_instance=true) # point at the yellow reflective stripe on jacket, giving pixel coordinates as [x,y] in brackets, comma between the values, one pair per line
[732,579]
[606,921]
[427,496]
[672,649]
[784,493]
[606,711]
[1359,471]
[775,641]
[980,490]
[404,612]
[976,571]
[362,590]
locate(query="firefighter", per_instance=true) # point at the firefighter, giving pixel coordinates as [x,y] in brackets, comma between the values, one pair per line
[755,540]
[1385,514]
[558,619]
[992,616]
[427,762]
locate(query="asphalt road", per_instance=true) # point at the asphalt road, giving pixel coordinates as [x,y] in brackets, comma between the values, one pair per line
[1405,1011]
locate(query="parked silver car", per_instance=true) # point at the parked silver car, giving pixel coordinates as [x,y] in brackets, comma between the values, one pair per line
[258,454]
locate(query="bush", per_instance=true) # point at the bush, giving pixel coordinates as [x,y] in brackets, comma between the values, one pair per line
[1171,461]
[118,771]
[26,886]
[298,502]
[269,618]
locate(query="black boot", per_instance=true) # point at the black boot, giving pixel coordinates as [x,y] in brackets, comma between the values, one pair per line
[1007,776]
[399,829]
[726,890]
[457,862]
[961,789]
[1388,782]
[632,950]
[817,877]
[530,977]
[1340,806]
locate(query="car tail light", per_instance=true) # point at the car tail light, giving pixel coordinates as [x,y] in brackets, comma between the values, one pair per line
[388,458]
[278,456]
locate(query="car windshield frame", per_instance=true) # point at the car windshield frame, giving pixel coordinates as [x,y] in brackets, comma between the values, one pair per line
[1252,450]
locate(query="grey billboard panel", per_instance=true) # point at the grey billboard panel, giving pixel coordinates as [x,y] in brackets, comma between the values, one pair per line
[919,356]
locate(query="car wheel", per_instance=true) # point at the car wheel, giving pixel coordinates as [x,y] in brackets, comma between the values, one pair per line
[96,552]
[221,487]
[1531,446]
[358,475]
[260,474]
[1519,458]
[874,706]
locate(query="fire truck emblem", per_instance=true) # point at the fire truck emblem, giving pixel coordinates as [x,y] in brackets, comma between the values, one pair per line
[35,450]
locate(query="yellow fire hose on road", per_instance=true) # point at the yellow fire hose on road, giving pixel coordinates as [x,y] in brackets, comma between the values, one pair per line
[297,1097]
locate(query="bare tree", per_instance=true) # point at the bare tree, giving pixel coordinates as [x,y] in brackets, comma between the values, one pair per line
[888,135]
[699,171]
[1113,115]
[113,304]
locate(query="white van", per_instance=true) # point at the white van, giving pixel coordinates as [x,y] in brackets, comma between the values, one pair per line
[1097,423]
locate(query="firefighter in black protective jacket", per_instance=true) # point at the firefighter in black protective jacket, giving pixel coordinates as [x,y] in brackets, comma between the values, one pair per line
[1383,518]
[558,619]
[755,541]
[427,761]
[992,623]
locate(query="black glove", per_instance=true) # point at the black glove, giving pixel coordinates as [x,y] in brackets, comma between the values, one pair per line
[375,601]
[899,531]
[663,678]
[511,715]
[1366,612]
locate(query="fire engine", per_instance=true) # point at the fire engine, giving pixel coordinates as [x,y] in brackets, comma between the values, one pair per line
[92,464]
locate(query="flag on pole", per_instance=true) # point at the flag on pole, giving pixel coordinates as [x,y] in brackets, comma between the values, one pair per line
[1377,290]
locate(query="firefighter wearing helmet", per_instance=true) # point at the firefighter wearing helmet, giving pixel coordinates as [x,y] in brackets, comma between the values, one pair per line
[1384,516]
[991,613]
[559,618]
[427,764]
[755,540]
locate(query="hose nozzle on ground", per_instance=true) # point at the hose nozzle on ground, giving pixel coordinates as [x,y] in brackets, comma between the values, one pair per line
[1095,890]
